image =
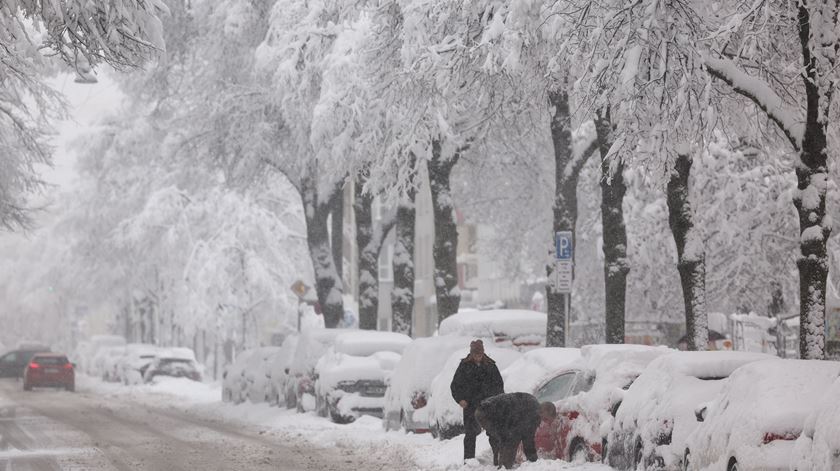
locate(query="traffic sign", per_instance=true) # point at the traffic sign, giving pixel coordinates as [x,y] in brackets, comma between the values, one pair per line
[563,249]
[562,276]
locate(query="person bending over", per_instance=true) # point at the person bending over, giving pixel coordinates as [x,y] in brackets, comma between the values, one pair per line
[510,419]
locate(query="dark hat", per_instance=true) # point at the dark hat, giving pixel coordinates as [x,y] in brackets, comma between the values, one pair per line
[476,346]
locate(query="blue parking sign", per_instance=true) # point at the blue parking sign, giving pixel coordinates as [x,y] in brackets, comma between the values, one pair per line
[563,245]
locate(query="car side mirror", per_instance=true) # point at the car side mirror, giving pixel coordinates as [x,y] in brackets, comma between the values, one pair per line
[700,413]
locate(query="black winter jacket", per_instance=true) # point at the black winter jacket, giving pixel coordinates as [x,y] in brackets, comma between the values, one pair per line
[474,382]
[509,416]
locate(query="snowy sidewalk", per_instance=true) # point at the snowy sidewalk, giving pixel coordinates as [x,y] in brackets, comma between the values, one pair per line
[366,435]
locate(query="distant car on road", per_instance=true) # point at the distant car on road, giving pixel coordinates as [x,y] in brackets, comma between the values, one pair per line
[49,370]
[13,364]
[174,362]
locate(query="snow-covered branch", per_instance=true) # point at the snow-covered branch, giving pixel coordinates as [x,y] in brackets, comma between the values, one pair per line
[760,93]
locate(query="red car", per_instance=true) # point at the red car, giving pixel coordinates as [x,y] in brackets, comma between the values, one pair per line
[51,370]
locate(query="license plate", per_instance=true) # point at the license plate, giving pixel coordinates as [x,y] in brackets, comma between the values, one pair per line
[51,371]
[379,390]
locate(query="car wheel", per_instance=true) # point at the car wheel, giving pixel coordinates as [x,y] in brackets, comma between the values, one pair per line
[733,465]
[577,452]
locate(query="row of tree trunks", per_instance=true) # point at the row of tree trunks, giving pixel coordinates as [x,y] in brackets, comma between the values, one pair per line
[445,251]
[328,283]
[616,267]
[691,255]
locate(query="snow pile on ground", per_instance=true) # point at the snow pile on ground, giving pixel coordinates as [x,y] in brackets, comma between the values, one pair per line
[162,388]
[818,447]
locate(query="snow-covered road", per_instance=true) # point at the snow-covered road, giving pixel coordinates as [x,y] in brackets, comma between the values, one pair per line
[181,425]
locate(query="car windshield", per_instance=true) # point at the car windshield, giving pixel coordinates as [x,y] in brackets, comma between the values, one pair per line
[173,361]
[557,388]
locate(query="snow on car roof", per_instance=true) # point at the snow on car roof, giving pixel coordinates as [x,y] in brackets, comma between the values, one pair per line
[529,371]
[510,322]
[706,365]
[367,342]
[177,353]
[778,394]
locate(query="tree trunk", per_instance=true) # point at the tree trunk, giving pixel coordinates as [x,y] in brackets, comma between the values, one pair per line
[614,230]
[812,183]
[328,285]
[402,296]
[337,231]
[567,168]
[368,269]
[691,255]
[445,250]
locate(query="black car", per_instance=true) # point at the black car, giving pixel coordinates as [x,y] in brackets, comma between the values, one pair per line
[13,363]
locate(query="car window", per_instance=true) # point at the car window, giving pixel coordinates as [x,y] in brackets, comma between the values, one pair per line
[584,383]
[557,388]
[50,360]
[9,358]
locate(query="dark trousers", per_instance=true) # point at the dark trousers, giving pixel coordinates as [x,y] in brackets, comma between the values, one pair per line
[471,431]
[504,447]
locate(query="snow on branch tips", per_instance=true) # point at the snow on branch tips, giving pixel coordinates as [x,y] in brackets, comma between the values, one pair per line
[760,93]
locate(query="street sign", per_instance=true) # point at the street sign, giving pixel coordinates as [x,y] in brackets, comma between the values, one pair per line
[562,276]
[563,249]
[299,288]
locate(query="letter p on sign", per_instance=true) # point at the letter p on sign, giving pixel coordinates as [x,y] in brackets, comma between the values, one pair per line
[563,245]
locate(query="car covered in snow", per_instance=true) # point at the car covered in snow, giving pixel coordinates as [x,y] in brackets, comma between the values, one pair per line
[531,370]
[93,357]
[587,394]
[106,362]
[755,420]
[278,369]
[300,383]
[352,374]
[818,447]
[257,375]
[656,415]
[511,328]
[233,377]
[446,418]
[130,367]
[177,362]
[409,388]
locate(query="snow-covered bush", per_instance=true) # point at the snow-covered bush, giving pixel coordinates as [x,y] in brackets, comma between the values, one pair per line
[409,387]
[257,374]
[446,418]
[521,329]
[760,412]
[233,378]
[657,414]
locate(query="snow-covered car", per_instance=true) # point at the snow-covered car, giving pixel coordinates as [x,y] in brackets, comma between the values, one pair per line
[178,362]
[511,328]
[818,447]
[300,384]
[587,394]
[233,377]
[753,423]
[257,375]
[656,415]
[278,370]
[532,369]
[129,368]
[92,364]
[106,362]
[446,418]
[352,374]
[408,391]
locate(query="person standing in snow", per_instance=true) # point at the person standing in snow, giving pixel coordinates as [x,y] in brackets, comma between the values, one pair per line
[476,379]
[510,419]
